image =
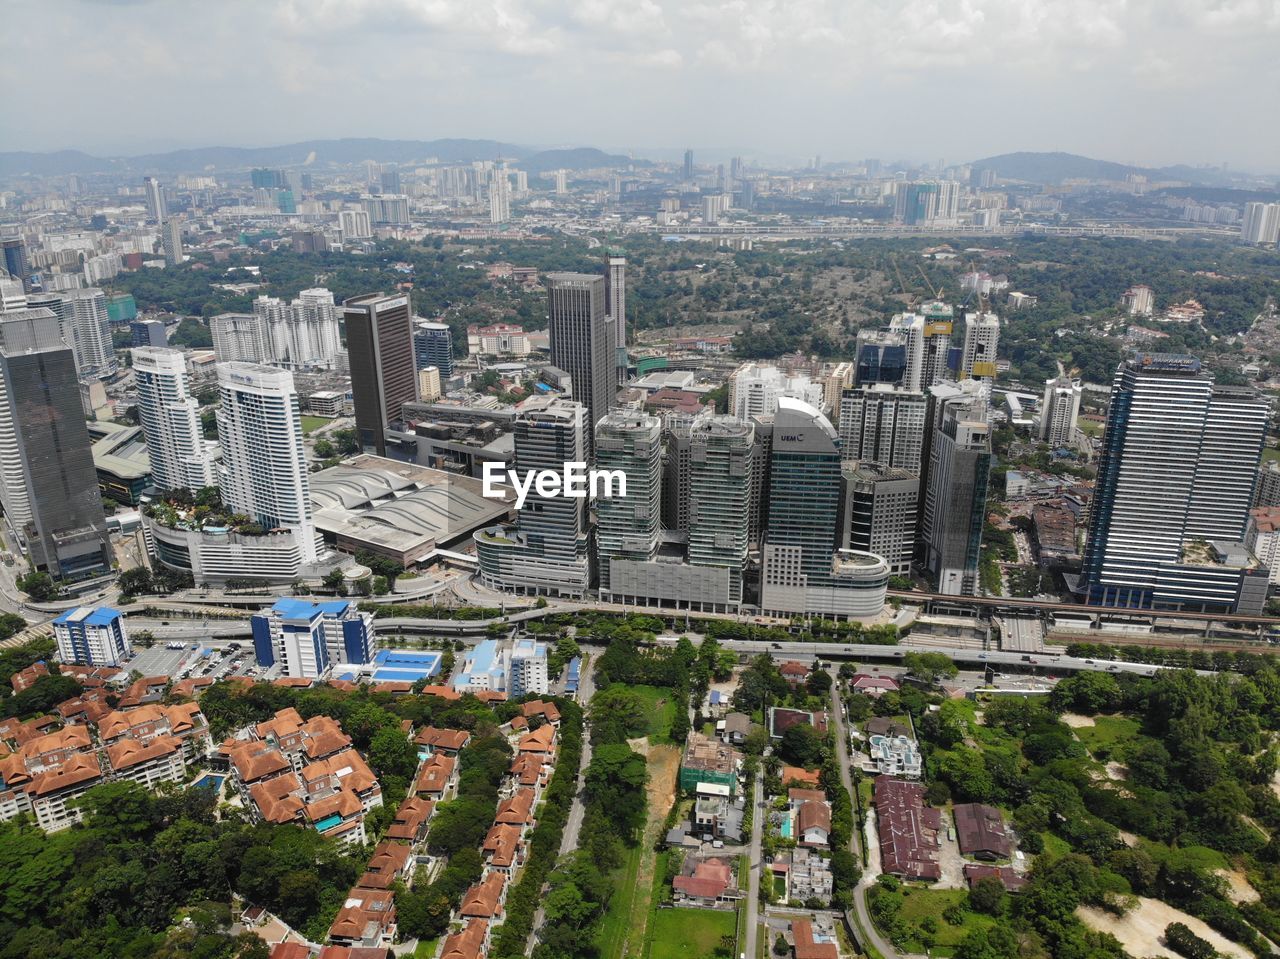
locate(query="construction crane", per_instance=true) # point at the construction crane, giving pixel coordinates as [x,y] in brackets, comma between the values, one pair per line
[911,297]
[925,276]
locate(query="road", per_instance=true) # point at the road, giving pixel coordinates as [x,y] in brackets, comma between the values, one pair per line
[863,926]
[573,824]
[755,866]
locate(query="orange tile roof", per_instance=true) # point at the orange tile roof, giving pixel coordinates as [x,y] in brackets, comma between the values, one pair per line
[537,707]
[467,944]
[410,818]
[482,901]
[366,912]
[502,843]
[435,773]
[390,861]
[541,740]
[797,774]
[127,753]
[444,692]
[448,739]
[527,769]
[255,761]
[81,768]
[805,947]
[278,800]
[516,811]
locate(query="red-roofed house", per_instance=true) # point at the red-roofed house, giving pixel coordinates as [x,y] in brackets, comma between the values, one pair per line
[486,898]
[367,918]
[709,882]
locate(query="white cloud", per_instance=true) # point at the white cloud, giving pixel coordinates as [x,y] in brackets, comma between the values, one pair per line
[842,77]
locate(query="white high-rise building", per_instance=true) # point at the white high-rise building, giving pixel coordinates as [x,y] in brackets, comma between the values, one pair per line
[883,424]
[1175,483]
[981,340]
[264,468]
[240,338]
[1261,223]
[85,319]
[1139,300]
[721,467]
[546,552]
[170,420]
[171,237]
[562,181]
[499,196]
[928,337]
[527,669]
[12,295]
[627,526]
[355,225]
[157,208]
[754,390]
[615,306]
[1059,410]
[302,334]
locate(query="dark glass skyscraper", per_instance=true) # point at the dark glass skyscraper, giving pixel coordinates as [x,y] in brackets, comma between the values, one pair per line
[582,340]
[46,439]
[433,346]
[380,351]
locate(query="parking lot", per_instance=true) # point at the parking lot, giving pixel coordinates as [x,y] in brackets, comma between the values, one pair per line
[195,660]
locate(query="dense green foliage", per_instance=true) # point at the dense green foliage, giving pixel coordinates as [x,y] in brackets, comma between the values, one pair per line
[114,886]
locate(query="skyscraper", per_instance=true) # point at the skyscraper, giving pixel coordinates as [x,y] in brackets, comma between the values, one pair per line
[264,468]
[84,317]
[627,526]
[50,492]
[981,340]
[1261,223]
[756,388]
[148,333]
[15,263]
[883,424]
[172,240]
[240,338]
[499,196]
[300,334]
[582,342]
[545,553]
[1059,410]
[955,487]
[170,420]
[380,351]
[615,302]
[880,511]
[687,171]
[882,358]
[354,225]
[803,531]
[720,470]
[433,346]
[1174,487]
[157,207]
[928,342]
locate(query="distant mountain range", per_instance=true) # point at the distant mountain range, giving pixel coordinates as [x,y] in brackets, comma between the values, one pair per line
[1056,167]
[312,153]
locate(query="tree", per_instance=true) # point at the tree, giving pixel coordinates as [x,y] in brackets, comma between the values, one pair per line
[801,745]
[818,683]
[39,586]
[780,946]
[615,780]
[392,754]
[987,896]
[1087,693]
[1183,941]
[929,668]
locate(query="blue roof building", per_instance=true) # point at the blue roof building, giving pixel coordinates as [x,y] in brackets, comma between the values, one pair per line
[92,636]
[306,638]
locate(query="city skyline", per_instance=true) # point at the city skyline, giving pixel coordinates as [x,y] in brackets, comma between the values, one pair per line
[665,55]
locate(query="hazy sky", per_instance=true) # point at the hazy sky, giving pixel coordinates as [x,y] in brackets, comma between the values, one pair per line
[1143,81]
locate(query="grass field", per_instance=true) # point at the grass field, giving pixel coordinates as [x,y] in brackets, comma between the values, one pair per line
[1055,846]
[689,933]
[1107,732]
[1270,453]
[425,949]
[922,903]
[312,423]
[661,707]
[617,919]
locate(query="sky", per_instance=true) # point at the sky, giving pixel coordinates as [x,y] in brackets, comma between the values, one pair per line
[1150,82]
